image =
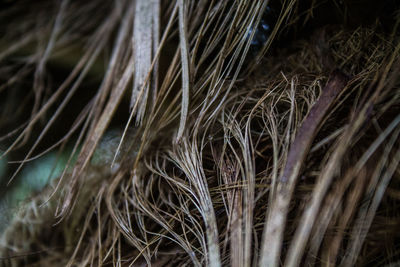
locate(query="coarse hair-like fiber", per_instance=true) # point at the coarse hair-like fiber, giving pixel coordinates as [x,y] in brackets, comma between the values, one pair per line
[199,133]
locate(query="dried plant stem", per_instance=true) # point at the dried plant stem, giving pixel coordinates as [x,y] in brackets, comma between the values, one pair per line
[185,69]
[276,218]
[88,149]
[144,41]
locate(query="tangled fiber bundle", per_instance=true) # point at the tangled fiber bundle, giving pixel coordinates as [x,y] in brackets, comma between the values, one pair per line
[237,133]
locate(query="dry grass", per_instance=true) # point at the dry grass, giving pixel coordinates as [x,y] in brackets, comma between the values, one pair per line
[281,155]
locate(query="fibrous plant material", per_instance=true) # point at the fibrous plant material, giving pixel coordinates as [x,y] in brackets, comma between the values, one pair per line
[298,150]
[266,134]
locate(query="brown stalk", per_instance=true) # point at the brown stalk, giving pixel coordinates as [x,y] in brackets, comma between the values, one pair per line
[276,219]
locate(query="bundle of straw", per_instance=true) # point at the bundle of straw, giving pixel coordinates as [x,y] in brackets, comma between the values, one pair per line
[234,133]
